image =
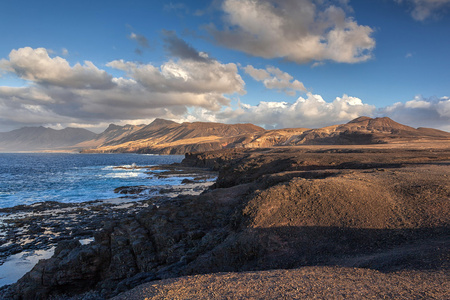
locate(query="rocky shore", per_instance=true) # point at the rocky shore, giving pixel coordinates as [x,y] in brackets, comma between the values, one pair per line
[379,208]
[36,228]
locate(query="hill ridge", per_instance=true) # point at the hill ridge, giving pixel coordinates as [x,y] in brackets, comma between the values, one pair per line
[176,138]
[168,137]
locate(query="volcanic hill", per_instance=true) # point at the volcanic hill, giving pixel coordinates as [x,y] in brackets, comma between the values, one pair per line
[168,137]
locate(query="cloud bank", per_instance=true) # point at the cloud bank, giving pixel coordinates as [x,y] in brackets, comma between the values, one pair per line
[421,112]
[189,87]
[296,30]
[60,93]
[310,112]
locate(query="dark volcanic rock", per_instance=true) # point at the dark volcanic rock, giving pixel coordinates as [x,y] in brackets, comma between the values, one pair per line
[272,208]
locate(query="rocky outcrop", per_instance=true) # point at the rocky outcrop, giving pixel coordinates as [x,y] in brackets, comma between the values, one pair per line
[270,209]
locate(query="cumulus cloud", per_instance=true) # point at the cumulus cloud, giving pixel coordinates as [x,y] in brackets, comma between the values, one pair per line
[295,30]
[310,112]
[424,112]
[62,94]
[274,78]
[211,79]
[36,65]
[424,9]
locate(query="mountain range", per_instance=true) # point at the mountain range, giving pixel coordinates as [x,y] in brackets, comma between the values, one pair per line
[42,138]
[168,137]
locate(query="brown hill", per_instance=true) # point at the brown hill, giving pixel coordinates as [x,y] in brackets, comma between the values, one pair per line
[365,130]
[168,137]
[110,135]
[162,136]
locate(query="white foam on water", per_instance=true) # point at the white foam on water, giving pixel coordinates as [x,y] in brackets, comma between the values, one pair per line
[125,174]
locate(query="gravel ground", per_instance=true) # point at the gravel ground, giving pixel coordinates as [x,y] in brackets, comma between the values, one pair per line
[303,283]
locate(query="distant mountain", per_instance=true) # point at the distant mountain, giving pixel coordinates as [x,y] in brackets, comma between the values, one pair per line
[168,137]
[365,130]
[112,134]
[162,136]
[41,138]
[360,131]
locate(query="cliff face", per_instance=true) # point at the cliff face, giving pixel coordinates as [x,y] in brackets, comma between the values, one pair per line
[167,137]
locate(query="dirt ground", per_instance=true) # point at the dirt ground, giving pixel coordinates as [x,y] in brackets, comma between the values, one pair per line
[302,283]
[388,206]
[305,222]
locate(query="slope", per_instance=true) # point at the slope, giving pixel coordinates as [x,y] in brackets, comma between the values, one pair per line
[41,138]
[162,136]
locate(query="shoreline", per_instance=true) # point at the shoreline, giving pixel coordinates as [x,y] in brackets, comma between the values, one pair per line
[275,208]
[30,231]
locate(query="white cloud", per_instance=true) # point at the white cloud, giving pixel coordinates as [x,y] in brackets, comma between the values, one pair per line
[185,76]
[274,78]
[424,9]
[421,112]
[36,65]
[62,94]
[295,30]
[310,112]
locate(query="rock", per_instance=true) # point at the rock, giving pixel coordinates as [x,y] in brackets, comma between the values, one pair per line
[270,209]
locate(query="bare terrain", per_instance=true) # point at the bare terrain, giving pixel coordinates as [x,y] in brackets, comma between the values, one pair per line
[302,283]
[319,221]
[167,137]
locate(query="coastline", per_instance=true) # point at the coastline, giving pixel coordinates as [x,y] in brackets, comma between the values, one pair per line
[31,232]
[385,210]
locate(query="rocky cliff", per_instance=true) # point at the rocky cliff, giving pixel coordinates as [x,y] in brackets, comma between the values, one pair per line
[385,209]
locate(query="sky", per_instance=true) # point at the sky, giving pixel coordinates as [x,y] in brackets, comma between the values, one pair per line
[276,64]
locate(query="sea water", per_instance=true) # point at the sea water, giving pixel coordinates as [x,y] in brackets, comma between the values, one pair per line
[27,178]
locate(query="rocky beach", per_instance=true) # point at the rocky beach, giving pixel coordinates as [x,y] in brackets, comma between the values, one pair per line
[377,213]
[31,232]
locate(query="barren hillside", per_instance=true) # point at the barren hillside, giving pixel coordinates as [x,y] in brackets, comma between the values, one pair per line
[167,137]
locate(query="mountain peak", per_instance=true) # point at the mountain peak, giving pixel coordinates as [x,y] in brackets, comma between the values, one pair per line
[161,122]
[360,119]
[112,127]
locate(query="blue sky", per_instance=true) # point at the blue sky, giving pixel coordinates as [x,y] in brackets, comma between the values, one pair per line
[283,63]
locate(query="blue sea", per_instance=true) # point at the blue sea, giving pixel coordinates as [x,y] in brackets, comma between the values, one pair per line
[27,178]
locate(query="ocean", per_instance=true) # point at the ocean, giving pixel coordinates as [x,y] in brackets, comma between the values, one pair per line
[27,178]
